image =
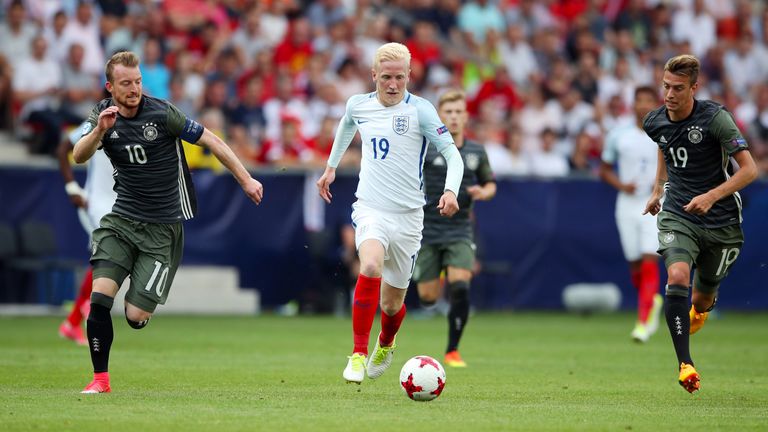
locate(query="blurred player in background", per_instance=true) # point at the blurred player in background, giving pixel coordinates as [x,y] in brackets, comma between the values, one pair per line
[700,221]
[634,153]
[92,203]
[143,235]
[396,128]
[448,244]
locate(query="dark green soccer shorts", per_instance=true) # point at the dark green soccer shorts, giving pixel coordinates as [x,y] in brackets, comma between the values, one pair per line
[149,252]
[712,250]
[433,258]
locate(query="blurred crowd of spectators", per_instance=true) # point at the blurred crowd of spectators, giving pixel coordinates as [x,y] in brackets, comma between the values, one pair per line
[545,79]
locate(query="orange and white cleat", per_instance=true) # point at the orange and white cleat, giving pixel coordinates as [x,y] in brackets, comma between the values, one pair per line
[697,319]
[75,334]
[689,378]
[453,359]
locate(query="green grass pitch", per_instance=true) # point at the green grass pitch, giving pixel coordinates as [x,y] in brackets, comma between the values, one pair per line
[527,371]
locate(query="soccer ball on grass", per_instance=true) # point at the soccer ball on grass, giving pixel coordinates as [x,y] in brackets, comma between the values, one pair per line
[422,378]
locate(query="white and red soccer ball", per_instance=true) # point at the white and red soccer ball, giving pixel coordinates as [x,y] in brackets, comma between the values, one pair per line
[422,378]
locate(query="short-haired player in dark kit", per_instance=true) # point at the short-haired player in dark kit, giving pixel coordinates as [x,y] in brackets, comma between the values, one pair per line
[448,244]
[143,235]
[700,220]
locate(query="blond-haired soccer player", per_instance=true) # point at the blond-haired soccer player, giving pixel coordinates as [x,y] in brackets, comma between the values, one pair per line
[395,127]
[700,220]
[143,236]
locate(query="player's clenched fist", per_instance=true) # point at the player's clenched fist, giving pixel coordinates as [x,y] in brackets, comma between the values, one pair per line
[107,118]
[254,190]
[448,205]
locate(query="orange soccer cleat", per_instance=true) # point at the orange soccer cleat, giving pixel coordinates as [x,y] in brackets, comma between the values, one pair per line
[689,378]
[453,359]
[697,319]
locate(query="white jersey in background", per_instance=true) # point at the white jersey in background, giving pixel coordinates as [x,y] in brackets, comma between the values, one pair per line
[99,187]
[636,155]
[394,144]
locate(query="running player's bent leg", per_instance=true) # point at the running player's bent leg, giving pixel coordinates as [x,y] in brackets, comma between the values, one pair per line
[703,302]
[106,279]
[99,328]
[136,317]
[427,275]
[392,313]
[429,292]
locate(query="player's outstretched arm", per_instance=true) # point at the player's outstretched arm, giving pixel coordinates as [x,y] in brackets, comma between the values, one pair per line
[745,175]
[87,145]
[226,156]
[344,134]
[324,183]
[654,203]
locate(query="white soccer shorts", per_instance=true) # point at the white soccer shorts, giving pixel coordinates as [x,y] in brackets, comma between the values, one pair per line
[638,232]
[399,233]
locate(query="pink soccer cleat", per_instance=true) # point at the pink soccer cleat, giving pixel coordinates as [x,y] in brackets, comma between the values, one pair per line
[75,334]
[100,384]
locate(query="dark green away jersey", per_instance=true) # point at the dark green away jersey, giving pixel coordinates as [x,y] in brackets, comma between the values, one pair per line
[440,229]
[152,179]
[697,153]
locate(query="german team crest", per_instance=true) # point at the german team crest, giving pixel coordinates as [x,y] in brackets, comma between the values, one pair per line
[472,160]
[150,131]
[400,124]
[668,237]
[694,134]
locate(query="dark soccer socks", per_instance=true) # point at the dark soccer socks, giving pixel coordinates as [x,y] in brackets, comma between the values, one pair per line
[458,314]
[100,331]
[679,323]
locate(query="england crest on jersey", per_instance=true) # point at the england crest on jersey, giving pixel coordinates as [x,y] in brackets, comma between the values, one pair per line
[400,124]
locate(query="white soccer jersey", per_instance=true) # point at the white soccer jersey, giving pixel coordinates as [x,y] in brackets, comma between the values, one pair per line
[394,144]
[636,155]
[99,185]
